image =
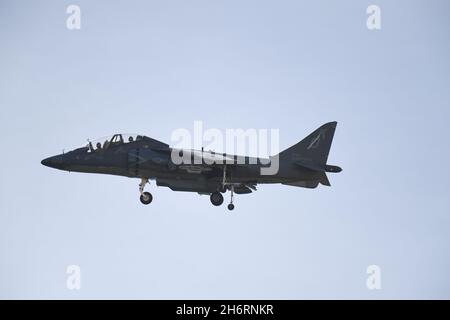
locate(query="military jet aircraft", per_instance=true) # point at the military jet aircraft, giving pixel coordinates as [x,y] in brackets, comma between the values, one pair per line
[302,165]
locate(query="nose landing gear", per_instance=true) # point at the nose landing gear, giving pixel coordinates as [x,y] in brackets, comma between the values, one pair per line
[146,197]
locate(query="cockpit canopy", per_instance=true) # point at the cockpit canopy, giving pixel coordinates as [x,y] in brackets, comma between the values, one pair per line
[114,140]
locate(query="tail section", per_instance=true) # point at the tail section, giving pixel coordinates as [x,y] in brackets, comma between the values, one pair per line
[314,149]
[312,153]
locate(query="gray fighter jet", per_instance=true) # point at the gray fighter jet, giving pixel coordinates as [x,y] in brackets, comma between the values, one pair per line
[302,165]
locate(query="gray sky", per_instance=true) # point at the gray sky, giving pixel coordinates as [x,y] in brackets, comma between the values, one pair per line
[154,66]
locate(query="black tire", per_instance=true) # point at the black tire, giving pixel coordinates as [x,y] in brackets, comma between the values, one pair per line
[216,198]
[230,206]
[146,198]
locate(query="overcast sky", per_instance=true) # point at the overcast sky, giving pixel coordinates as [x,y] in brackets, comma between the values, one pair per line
[152,67]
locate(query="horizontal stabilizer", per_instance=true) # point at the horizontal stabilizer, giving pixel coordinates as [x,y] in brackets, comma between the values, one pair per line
[309,164]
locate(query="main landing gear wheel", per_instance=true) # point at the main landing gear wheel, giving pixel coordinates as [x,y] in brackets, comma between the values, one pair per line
[146,197]
[216,198]
[230,206]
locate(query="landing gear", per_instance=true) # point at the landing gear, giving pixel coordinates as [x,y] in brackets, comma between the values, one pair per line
[216,198]
[146,197]
[231,205]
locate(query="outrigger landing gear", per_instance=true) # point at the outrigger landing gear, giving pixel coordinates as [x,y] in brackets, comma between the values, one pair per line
[146,197]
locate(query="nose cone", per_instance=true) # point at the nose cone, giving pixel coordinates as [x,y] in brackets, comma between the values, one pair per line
[53,162]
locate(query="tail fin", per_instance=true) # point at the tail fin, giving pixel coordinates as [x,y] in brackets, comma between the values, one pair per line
[314,148]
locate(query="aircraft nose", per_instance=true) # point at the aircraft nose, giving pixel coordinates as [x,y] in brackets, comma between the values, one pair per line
[53,162]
